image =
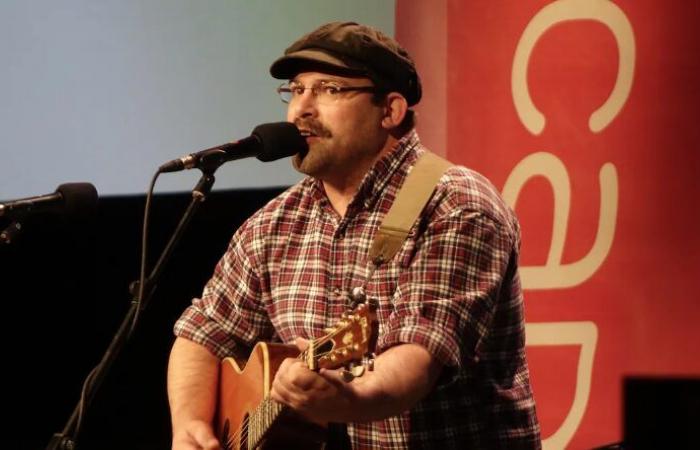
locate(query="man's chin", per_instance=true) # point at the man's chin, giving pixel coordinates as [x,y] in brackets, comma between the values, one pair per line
[303,164]
[298,162]
[309,164]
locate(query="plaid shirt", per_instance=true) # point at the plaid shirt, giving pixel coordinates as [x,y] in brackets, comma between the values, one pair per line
[453,288]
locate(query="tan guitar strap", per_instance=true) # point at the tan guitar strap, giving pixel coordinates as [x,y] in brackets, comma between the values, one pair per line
[410,201]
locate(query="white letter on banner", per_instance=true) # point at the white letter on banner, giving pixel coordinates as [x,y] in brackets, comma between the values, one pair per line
[604,11]
[553,274]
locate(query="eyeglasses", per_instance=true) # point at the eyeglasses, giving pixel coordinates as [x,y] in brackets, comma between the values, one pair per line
[323,92]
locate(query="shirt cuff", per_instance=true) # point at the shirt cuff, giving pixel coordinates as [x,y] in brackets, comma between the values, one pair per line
[438,340]
[195,326]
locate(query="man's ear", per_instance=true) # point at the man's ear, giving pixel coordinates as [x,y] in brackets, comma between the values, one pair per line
[394,110]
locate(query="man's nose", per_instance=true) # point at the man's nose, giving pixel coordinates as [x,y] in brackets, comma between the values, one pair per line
[304,105]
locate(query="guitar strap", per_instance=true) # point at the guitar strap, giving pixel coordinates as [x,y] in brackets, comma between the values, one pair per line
[410,201]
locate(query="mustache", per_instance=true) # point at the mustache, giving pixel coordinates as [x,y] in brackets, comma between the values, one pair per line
[315,127]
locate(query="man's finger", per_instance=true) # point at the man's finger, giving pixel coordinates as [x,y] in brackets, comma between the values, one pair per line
[301,343]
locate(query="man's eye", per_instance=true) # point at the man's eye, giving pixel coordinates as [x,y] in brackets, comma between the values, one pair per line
[331,90]
[297,90]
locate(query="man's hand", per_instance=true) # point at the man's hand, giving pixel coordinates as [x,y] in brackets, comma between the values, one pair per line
[402,375]
[195,435]
[319,396]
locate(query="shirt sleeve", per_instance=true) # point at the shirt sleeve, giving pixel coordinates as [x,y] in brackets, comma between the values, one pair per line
[446,297]
[229,317]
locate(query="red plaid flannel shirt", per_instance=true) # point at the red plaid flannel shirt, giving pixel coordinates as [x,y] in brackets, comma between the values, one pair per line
[453,288]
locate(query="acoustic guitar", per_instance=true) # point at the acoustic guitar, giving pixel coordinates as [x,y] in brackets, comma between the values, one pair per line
[247,418]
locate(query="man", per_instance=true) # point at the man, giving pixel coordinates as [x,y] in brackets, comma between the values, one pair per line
[450,369]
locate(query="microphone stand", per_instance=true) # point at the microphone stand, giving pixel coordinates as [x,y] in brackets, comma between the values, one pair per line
[67,438]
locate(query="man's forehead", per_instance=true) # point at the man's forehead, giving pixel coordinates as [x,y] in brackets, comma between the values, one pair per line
[315,77]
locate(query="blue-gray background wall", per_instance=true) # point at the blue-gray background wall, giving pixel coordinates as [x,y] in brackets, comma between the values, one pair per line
[104,92]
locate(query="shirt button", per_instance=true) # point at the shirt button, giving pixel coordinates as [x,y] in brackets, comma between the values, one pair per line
[336,291]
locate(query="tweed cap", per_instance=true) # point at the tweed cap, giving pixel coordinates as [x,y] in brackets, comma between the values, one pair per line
[348,48]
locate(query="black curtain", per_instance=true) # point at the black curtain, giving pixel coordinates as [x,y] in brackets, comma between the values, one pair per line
[65,292]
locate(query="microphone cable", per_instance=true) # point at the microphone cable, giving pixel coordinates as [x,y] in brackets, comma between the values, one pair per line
[136,301]
[144,252]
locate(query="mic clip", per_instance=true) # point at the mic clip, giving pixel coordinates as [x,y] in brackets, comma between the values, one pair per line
[207,161]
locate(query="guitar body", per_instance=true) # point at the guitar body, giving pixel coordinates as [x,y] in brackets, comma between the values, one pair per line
[247,418]
[241,391]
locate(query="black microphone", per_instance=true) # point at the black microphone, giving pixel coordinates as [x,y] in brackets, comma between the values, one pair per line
[268,142]
[77,200]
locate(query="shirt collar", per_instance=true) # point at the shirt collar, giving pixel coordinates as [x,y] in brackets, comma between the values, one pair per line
[380,175]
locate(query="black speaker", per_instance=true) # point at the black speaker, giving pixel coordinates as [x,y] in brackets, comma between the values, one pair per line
[661,412]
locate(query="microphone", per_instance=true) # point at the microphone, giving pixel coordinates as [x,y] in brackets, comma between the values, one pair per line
[268,142]
[73,199]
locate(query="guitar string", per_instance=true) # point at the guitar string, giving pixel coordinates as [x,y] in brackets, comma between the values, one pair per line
[245,424]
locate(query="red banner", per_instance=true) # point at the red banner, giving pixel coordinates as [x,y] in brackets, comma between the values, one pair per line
[584,113]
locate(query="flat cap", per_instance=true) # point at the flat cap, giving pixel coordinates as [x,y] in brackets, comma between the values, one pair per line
[348,48]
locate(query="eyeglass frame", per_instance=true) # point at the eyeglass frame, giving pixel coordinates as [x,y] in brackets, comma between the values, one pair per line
[285,88]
